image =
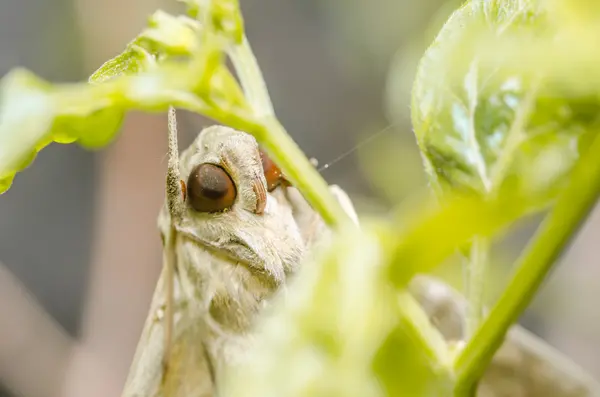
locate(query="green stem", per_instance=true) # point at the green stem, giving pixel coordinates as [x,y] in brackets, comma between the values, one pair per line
[251,78]
[301,173]
[476,278]
[420,330]
[571,208]
[277,142]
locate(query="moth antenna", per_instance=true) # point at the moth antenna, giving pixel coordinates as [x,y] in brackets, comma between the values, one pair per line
[174,192]
[175,205]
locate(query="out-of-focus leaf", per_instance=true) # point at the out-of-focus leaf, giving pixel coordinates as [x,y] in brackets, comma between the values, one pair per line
[146,76]
[574,13]
[224,16]
[429,234]
[489,128]
[170,35]
[407,374]
[90,114]
[26,114]
[92,131]
[133,60]
[305,347]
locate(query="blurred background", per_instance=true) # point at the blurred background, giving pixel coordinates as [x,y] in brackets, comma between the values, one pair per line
[78,242]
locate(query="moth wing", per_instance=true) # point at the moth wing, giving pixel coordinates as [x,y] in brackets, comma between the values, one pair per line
[188,371]
[312,227]
[524,366]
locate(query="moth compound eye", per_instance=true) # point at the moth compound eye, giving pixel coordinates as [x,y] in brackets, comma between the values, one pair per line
[273,174]
[210,188]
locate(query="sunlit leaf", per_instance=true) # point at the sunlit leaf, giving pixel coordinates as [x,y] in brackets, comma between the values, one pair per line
[407,374]
[166,36]
[133,60]
[223,16]
[170,35]
[429,234]
[488,128]
[304,347]
[26,114]
[576,13]
[92,131]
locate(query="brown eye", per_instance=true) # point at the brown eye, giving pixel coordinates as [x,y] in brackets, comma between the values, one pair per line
[273,174]
[210,188]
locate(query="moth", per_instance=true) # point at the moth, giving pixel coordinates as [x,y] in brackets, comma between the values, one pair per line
[233,232]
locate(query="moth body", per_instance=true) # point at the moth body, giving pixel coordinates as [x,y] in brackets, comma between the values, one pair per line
[227,264]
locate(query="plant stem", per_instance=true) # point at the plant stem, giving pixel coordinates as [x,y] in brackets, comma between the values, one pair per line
[301,173]
[476,277]
[277,142]
[417,325]
[559,227]
[251,78]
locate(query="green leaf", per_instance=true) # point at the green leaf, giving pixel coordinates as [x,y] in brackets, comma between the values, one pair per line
[430,234]
[166,36]
[304,344]
[489,128]
[338,331]
[222,16]
[133,60]
[170,35]
[408,374]
[26,114]
[92,131]
[90,114]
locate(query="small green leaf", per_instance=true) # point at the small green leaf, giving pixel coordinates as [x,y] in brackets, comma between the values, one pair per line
[228,19]
[408,373]
[133,60]
[170,35]
[91,131]
[6,181]
[91,114]
[166,36]
[576,13]
[431,234]
[223,17]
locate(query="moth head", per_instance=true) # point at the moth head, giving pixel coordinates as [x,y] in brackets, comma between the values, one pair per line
[235,201]
[225,167]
